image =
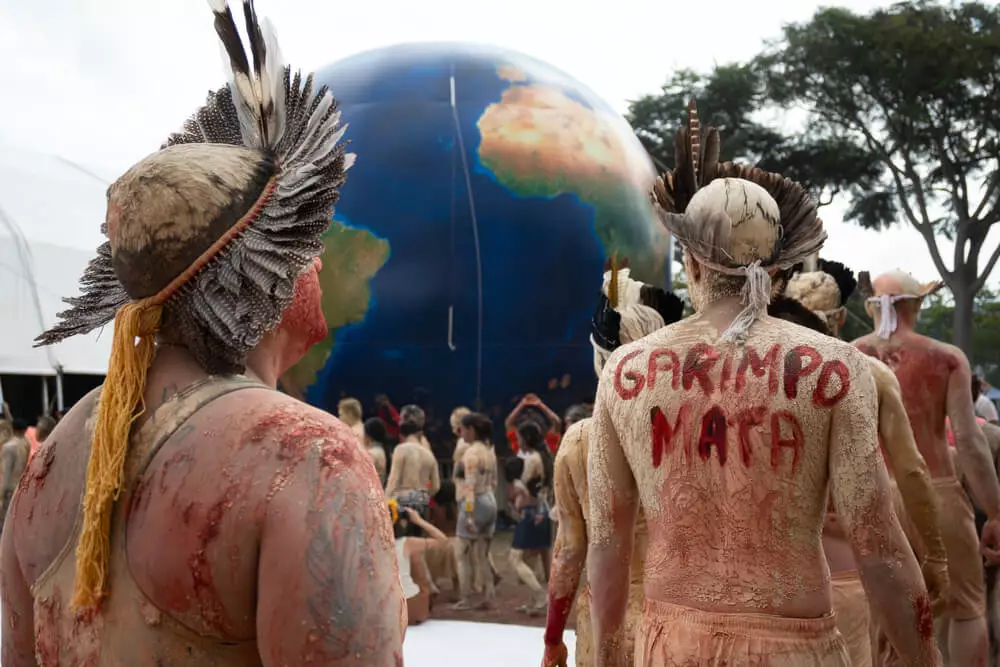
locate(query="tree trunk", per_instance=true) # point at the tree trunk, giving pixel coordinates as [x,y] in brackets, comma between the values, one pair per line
[961,326]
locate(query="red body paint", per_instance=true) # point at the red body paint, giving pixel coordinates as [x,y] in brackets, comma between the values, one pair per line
[746,420]
[555,622]
[794,370]
[830,368]
[713,432]
[664,433]
[698,362]
[637,380]
[212,612]
[778,443]
[304,319]
[925,616]
[655,365]
[727,372]
[758,366]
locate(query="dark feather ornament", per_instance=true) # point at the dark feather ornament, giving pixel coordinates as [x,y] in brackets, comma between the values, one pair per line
[846,283]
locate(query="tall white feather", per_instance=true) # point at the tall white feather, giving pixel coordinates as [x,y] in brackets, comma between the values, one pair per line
[273,85]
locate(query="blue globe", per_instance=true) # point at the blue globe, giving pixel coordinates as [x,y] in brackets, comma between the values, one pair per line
[466,253]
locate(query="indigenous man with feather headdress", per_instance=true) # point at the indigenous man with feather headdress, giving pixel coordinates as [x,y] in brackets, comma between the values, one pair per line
[822,295]
[935,378]
[728,428]
[187,513]
[627,311]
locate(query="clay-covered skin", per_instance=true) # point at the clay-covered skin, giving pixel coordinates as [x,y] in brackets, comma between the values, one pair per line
[934,378]
[730,450]
[413,468]
[913,479]
[257,535]
[570,553]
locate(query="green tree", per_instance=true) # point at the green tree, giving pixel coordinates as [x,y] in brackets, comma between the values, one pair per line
[936,321]
[915,87]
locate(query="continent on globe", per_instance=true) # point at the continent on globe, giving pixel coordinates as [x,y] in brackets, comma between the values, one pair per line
[352,256]
[538,141]
[502,185]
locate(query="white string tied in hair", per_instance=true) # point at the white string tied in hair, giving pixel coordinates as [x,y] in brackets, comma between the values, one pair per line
[889,320]
[755,296]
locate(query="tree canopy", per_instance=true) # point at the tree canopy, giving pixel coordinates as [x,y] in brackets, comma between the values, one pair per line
[902,119]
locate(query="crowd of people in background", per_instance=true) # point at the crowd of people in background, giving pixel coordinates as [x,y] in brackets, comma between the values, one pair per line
[447,498]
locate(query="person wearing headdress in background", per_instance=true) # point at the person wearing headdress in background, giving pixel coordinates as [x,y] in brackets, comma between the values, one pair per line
[934,379]
[823,295]
[728,427]
[624,314]
[270,506]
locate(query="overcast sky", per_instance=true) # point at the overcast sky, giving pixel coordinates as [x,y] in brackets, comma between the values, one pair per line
[104,81]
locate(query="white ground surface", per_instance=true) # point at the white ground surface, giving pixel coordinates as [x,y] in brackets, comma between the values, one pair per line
[462,644]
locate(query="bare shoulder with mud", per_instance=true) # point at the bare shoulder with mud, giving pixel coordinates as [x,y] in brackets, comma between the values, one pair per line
[729,447]
[923,367]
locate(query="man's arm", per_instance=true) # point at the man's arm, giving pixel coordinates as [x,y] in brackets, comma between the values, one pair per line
[435,473]
[18,648]
[613,505]
[328,589]
[570,553]
[912,477]
[970,443]
[394,474]
[861,495]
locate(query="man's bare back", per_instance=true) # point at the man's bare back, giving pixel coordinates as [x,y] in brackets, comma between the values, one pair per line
[219,569]
[924,367]
[414,468]
[732,449]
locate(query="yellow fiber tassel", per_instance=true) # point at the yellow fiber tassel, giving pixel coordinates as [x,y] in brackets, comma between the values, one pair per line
[120,405]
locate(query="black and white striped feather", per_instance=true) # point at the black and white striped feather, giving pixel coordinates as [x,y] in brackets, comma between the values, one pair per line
[242,293]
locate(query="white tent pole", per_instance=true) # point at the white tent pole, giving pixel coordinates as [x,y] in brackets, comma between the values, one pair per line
[59,391]
[3,403]
[45,395]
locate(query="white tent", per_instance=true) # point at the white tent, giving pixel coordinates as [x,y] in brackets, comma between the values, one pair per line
[51,212]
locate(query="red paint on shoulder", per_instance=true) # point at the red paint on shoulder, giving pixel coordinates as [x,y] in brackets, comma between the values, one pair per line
[830,368]
[727,372]
[637,380]
[38,469]
[794,370]
[698,362]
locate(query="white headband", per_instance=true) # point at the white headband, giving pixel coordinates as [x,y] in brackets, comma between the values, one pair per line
[887,309]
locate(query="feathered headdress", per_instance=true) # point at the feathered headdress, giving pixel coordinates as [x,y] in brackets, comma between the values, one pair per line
[733,218]
[620,292]
[846,282]
[210,233]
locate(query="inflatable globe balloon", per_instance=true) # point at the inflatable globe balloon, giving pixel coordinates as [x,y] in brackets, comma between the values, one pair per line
[466,252]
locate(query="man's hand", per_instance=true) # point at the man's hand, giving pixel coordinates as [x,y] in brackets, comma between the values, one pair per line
[555,655]
[938,583]
[990,540]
